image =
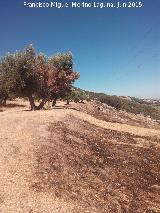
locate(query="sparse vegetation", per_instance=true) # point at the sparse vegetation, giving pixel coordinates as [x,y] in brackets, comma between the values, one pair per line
[135,105]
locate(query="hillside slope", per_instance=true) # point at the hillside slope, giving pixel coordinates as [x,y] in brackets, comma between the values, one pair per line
[128,104]
[65,160]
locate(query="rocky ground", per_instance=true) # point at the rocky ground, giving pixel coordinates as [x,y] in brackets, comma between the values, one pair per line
[78,159]
[108,113]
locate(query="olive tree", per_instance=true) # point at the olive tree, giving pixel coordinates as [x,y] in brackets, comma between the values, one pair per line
[17,74]
[28,74]
[61,75]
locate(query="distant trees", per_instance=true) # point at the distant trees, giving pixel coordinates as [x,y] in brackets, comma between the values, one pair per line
[35,76]
[76,95]
[135,105]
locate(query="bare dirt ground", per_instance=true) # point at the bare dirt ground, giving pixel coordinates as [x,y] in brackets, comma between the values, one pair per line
[68,161]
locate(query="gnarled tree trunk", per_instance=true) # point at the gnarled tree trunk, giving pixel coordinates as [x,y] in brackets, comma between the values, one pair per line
[3,101]
[67,102]
[54,102]
[32,104]
[41,105]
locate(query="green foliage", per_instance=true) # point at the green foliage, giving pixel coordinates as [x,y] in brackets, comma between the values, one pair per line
[28,74]
[76,95]
[17,72]
[62,61]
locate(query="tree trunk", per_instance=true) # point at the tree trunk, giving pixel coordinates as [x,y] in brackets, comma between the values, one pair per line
[54,102]
[67,102]
[4,101]
[1,102]
[32,104]
[41,105]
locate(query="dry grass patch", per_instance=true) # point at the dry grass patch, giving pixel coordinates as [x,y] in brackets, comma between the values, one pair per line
[100,170]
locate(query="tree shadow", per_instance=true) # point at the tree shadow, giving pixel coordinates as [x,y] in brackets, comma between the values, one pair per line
[12,105]
[65,107]
[56,107]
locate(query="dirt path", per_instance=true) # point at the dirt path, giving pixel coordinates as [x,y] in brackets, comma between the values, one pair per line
[19,135]
[19,131]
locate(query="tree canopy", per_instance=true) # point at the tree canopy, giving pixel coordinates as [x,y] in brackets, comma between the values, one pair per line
[30,74]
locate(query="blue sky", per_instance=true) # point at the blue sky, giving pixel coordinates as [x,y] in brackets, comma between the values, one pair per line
[116,51]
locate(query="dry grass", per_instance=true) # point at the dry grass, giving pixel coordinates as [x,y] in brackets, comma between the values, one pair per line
[67,161]
[104,170]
